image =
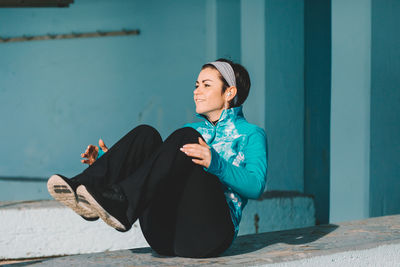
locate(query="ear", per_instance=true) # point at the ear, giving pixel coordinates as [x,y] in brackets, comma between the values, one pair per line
[230,93]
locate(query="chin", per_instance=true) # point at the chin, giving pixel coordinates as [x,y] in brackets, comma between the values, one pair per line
[199,110]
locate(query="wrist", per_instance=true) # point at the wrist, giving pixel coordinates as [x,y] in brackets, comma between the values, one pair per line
[100,153]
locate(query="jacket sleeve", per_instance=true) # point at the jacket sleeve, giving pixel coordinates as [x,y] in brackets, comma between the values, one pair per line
[248,180]
[100,153]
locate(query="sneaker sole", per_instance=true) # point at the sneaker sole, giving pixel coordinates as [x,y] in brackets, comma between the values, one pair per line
[88,200]
[62,192]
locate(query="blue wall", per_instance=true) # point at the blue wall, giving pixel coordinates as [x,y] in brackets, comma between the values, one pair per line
[317,89]
[253,43]
[365,121]
[56,97]
[327,97]
[385,108]
[350,110]
[228,29]
[223,33]
[272,49]
[285,93]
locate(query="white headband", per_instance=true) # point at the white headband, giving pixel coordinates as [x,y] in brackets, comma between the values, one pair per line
[226,71]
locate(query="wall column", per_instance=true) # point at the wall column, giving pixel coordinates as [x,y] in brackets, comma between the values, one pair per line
[253,57]
[317,87]
[350,110]
[385,109]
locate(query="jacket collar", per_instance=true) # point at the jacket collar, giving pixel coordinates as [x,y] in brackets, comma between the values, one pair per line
[227,116]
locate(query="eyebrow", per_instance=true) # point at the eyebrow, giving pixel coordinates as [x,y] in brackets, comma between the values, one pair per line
[205,80]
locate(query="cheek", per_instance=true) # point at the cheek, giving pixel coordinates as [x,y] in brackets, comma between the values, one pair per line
[217,98]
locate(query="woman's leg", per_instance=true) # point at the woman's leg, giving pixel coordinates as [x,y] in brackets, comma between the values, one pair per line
[193,221]
[166,165]
[204,225]
[120,204]
[122,159]
[163,179]
[183,211]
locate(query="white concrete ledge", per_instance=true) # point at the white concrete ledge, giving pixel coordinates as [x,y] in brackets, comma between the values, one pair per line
[47,228]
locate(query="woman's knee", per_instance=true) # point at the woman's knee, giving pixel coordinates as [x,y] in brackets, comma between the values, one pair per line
[186,135]
[147,131]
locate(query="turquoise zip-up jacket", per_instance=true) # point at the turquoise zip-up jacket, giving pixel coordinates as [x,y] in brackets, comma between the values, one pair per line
[238,158]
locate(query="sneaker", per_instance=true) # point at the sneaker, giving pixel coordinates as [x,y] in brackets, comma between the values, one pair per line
[63,190]
[110,204]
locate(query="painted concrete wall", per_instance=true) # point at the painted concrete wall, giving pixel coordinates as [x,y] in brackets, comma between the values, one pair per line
[350,110]
[273,52]
[385,108]
[223,32]
[15,189]
[56,97]
[284,99]
[253,57]
[317,91]
[228,29]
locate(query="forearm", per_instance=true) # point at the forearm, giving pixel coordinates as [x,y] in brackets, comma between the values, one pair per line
[248,182]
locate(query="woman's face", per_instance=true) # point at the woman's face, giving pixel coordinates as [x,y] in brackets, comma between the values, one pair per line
[208,95]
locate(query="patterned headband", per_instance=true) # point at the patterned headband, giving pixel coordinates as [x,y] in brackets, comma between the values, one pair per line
[226,71]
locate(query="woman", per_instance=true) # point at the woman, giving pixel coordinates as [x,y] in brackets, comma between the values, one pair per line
[189,191]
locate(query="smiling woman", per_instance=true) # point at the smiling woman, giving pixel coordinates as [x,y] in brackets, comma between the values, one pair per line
[187,191]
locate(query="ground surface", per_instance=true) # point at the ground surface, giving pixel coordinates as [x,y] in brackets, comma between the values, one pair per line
[298,247]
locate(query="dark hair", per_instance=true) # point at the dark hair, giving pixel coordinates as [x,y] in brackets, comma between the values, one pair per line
[242,82]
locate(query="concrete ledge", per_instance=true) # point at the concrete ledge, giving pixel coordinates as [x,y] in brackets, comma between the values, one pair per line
[370,242]
[47,228]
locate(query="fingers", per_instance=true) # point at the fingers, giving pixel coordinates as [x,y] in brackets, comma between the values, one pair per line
[196,151]
[200,162]
[103,145]
[90,154]
[201,142]
[87,161]
[200,153]
[194,146]
[85,154]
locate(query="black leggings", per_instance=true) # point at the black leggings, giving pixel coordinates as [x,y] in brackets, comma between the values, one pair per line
[181,208]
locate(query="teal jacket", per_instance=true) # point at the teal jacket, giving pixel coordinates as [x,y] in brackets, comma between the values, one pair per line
[238,158]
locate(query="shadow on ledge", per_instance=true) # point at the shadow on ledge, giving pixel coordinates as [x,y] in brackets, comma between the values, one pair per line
[250,243]
[275,242]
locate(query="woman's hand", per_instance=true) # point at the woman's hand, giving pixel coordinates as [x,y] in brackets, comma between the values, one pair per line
[91,152]
[200,152]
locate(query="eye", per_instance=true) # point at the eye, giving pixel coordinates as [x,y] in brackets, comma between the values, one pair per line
[206,85]
[196,86]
